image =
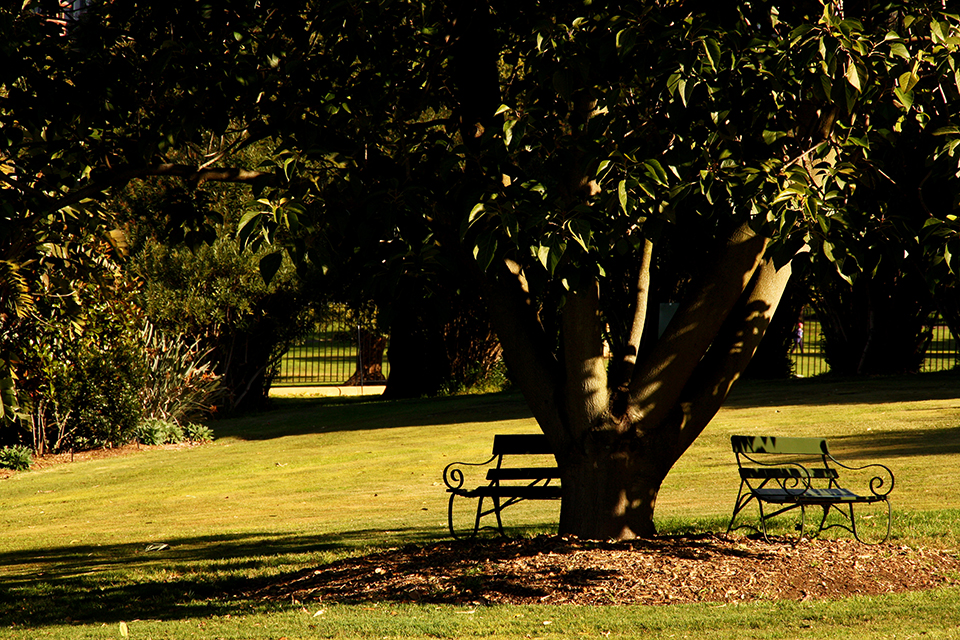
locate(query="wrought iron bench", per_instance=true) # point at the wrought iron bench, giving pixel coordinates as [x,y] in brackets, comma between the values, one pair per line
[506,485]
[799,473]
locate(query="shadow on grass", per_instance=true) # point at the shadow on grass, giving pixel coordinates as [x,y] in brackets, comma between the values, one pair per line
[833,389]
[900,444]
[301,416]
[186,578]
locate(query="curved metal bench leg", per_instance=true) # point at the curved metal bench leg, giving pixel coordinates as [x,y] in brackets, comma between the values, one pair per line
[742,501]
[453,534]
[889,521]
[763,521]
[853,526]
[856,534]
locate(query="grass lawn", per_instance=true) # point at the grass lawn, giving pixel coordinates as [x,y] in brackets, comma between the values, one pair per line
[163,543]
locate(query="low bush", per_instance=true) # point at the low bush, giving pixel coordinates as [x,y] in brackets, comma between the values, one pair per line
[198,432]
[17,457]
[153,431]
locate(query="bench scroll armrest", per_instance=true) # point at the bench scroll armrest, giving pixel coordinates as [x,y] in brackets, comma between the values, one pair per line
[453,474]
[881,484]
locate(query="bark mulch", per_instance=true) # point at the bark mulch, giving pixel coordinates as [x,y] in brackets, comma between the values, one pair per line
[667,570]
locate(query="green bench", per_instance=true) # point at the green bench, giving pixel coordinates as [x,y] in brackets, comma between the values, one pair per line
[507,484]
[790,473]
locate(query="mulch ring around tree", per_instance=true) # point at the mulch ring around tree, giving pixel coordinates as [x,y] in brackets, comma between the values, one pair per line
[668,570]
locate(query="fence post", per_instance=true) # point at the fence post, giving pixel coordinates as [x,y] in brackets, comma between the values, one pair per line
[360,357]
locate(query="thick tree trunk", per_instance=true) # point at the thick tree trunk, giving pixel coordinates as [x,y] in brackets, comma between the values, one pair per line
[610,490]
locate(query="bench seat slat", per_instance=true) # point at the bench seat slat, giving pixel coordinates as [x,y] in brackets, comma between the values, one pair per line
[523,473]
[758,473]
[810,495]
[529,492]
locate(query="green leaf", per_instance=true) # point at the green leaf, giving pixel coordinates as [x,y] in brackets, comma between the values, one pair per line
[248,221]
[602,168]
[556,253]
[477,211]
[581,232]
[508,132]
[946,131]
[936,31]
[899,50]
[686,91]
[655,170]
[673,82]
[626,40]
[951,253]
[543,255]
[853,77]
[485,250]
[712,50]
[622,195]
[904,97]
[908,80]
[269,265]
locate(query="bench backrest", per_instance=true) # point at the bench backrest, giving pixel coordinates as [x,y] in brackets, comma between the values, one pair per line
[520,444]
[777,445]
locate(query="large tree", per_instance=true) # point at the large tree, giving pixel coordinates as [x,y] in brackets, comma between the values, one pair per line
[561,162]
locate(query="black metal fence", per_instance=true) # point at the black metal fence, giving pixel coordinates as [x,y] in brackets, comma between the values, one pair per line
[942,351]
[329,353]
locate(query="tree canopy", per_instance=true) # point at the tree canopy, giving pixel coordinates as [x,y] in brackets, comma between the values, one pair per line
[563,162]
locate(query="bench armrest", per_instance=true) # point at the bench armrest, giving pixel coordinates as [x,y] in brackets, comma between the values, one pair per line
[881,484]
[453,473]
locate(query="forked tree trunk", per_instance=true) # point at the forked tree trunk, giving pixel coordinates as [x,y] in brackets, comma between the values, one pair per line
[615,443]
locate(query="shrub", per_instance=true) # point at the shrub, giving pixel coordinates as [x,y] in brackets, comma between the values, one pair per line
[17,457]
[76,362]
[153,431]
[101,393]
[198,432]
[180,382]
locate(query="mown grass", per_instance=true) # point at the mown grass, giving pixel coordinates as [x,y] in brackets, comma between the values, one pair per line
[167,542]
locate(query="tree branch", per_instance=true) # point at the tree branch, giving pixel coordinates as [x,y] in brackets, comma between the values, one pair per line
[585,389]
[525,347]
[629,361]
[658,384]
[732,351]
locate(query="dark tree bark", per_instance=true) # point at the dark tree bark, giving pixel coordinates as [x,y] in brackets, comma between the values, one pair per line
[369,359]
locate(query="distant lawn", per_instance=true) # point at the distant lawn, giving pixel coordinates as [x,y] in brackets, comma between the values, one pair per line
[167,541]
